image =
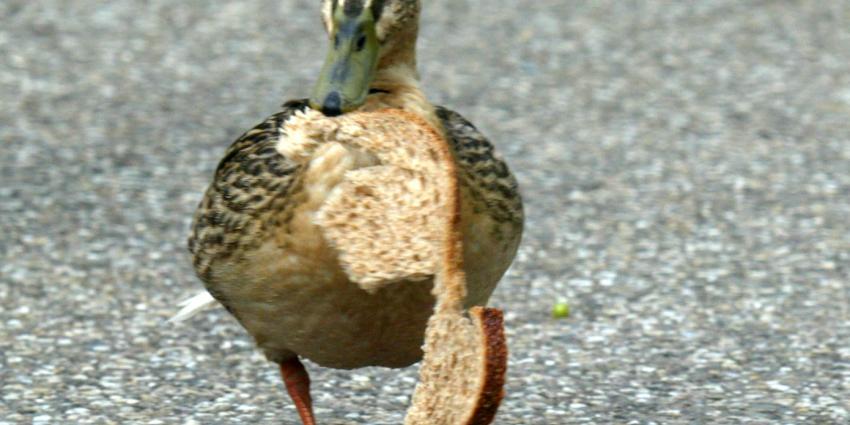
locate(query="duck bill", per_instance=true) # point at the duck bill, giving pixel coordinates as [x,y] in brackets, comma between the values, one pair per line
[349,68]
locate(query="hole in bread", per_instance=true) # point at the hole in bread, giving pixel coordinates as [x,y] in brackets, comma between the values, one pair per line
[364,191]
[432,154]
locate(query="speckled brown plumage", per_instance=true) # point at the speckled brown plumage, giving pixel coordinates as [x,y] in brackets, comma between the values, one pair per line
[254,187]
[248,195]
[483,173]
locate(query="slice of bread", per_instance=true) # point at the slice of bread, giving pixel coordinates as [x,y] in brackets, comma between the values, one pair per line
[462,376]
[412,191]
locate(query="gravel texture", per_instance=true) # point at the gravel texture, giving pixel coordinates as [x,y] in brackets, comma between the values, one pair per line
[685,165]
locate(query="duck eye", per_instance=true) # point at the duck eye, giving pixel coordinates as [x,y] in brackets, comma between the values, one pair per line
[361,43]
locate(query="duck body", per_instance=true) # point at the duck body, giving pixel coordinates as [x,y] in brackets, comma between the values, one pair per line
[317,232]
[257,246]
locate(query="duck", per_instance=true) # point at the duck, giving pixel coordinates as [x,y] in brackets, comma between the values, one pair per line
[258,240]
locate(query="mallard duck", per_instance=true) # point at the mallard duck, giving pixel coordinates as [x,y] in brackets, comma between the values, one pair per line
[262,253]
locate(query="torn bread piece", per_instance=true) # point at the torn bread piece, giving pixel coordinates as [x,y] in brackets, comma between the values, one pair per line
[385,219]
[462,377]
[372,218]
[461,380]
[410,201]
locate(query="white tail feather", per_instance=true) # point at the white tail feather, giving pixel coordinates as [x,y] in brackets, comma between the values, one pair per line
[193,306]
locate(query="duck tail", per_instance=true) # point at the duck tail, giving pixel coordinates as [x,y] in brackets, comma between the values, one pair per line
[192,306]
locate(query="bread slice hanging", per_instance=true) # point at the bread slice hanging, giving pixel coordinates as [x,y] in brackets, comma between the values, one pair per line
[410,188]
[462,376]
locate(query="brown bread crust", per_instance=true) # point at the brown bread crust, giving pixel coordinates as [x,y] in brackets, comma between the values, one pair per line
[492,391]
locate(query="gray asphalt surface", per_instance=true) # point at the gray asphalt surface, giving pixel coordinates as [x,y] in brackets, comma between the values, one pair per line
[685,165]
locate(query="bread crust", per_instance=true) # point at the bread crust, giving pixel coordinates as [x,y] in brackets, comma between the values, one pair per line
[491,323]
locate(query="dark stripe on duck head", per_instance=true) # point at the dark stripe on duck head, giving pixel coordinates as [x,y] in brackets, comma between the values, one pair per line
[353,8]
[377,7]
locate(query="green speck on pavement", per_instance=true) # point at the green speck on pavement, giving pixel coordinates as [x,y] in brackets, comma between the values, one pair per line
[561,310]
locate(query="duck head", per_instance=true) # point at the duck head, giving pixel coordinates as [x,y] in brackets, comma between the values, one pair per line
[365,37]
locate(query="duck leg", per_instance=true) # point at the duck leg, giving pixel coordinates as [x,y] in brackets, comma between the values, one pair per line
[297,383]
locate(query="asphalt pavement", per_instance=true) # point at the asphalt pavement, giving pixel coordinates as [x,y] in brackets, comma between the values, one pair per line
[685,168]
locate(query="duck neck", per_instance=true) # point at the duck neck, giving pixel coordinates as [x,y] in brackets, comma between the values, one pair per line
[396,83]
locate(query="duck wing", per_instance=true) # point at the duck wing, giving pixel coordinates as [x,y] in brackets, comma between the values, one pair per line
[250,183]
